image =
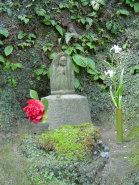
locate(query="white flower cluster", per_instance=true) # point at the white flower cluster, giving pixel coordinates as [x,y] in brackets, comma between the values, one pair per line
[116,49]
[110,73]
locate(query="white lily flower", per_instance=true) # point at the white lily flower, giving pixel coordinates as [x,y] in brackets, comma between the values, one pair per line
[109,72]
[116,49]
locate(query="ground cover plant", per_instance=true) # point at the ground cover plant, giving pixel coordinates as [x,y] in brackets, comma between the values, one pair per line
[68,155]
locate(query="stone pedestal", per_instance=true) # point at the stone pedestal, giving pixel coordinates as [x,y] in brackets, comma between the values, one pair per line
[67,110]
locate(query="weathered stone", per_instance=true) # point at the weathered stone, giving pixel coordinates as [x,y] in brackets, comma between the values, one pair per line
[67,110]
[62,75]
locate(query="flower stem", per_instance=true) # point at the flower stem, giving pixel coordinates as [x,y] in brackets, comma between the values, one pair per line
[119,125]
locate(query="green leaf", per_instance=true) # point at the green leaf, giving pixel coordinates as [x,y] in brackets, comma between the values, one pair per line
[31,35]
[47,21]
[77,83]
[45,103]
[49,71]
[44,118]
[92,72]
[21,35]
[9,12]
[90,63]
[40,12]
[2,59]
[92,14]
[8,50]
[24,18]
[91,46]
[102,77]
[76,67]
[1,43]
[85,2]
[63,5]
[53,55]
[120,88]
[122,12]
[136,7]
[14,66]
[4,32]
[89,20]
[45,48]
[73,17]
[13,82]
[114,28]
[7,66]
[113,98]
[34,95]
[53,22]
[103,2]
[109,25]
[59,29]
[69,50]
[48,47]
[79,47]
[82,20]
[80,60]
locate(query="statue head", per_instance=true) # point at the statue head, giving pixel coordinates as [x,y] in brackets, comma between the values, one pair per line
[62,60]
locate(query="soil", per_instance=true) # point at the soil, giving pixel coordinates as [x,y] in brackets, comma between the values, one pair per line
[13,165]
[118,165]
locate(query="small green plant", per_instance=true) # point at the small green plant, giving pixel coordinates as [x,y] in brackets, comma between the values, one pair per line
[21,35]
[28,39]
[48,21]
[12,81]
[8,50]
[24,18]
[122,12]
[112,27]
[70,142]
[8,7]
[11,66]
[83,20]
[47,47]
[41,71]
[134,4]
[4,32]
[88,41]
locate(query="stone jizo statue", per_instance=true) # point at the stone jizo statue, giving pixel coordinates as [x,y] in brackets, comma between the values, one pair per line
[62,75]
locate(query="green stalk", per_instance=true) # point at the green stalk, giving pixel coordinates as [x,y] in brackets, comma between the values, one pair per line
[119,125]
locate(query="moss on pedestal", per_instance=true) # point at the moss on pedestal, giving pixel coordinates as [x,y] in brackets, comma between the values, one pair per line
[70,142]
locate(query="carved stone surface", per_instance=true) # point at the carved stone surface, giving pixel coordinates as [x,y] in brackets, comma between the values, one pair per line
[64,106]
[67,110]
[62,75]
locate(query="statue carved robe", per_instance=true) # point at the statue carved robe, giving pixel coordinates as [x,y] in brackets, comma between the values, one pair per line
[62,75]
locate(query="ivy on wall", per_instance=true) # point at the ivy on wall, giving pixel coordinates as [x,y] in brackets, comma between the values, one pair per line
[79,27]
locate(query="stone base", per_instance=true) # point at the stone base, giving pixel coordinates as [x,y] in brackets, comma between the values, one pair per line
[67,110]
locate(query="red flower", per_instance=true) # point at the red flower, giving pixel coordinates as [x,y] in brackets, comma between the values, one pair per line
[34,110]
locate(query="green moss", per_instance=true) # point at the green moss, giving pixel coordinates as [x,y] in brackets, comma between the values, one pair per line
[70,142]
[134,157]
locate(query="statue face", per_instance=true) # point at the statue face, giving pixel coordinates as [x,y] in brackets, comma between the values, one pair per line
[63,61]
